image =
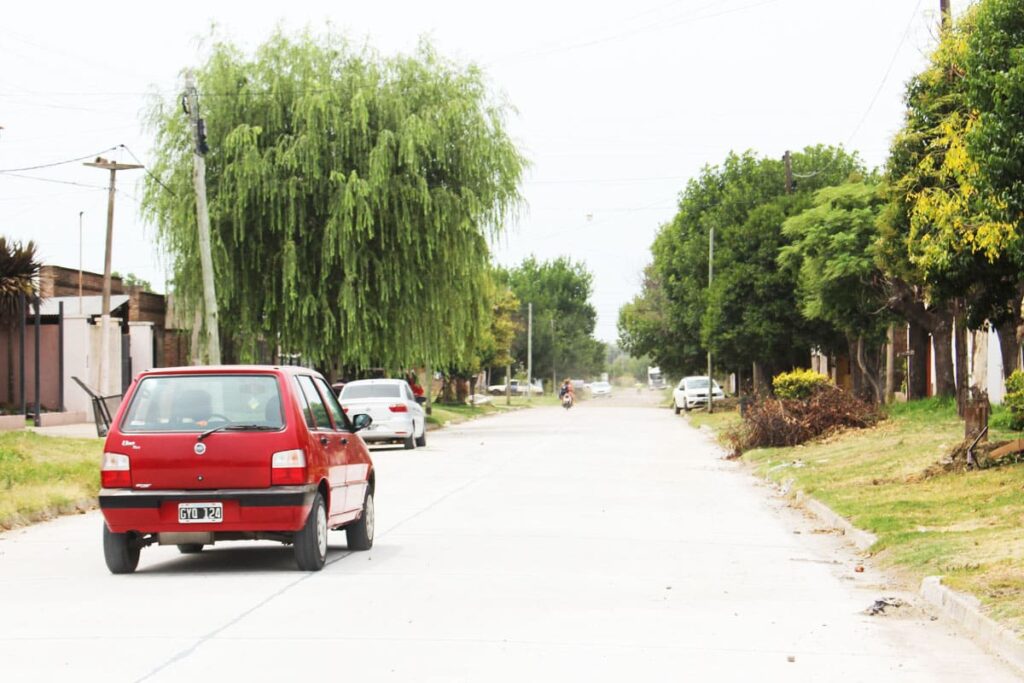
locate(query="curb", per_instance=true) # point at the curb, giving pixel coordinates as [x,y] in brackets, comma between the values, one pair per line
[960,608]
[860,538]
[965,610]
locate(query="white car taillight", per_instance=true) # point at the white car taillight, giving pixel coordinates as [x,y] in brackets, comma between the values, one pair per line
[116,471]
[288,467]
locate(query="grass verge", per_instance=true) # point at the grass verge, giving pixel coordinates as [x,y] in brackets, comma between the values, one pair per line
[445,413]
[965,527]
[42,476]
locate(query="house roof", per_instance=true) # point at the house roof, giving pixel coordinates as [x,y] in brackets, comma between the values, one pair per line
[91,305]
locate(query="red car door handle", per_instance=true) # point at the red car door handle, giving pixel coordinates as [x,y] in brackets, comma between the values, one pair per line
[344,441]
[324,440]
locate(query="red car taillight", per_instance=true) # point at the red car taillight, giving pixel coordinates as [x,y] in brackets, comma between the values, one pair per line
[398,408]
[116,471]
[288,467]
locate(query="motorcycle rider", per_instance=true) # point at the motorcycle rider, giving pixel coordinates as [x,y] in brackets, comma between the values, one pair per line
[567,390]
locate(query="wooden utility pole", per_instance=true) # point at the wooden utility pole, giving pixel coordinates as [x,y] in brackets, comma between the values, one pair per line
[711,278]
[212,354]
[529,352]
[787,159]
[104,364]
[946,14]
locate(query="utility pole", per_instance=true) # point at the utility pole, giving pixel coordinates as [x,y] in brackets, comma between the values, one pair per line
[711,278]
[945,14]
[529,351]
[554,371]
[104,364]
[203,219]
[508,384]
[787,159]
[80,213]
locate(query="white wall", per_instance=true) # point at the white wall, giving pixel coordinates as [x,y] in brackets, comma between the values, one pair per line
[141,350]
[76,363]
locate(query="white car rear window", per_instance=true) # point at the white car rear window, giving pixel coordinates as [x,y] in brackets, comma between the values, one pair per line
[355,391]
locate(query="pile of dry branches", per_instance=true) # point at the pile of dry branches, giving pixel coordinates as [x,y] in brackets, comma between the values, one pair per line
[775,422]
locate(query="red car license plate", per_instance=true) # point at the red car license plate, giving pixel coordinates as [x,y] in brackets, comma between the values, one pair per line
[206,513]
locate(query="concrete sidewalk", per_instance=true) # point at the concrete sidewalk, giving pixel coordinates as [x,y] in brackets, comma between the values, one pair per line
[81,430]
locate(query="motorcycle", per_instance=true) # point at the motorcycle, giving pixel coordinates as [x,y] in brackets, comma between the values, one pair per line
[567,400]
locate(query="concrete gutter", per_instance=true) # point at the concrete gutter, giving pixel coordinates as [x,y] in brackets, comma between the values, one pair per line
[964,610]
[860,538]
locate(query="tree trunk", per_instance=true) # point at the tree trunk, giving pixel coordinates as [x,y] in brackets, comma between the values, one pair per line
[1009,347]
[760,386]
[856,374]
[942,339]
[917,361]
[890,364]
[869,372]
[979,360]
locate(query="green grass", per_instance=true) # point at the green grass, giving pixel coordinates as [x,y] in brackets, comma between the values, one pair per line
[965,527]
[41,476]
[445,413]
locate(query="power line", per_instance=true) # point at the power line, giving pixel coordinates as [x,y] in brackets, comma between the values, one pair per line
[658,26]
[874,98]
[58,163]
[148,172]
[54,180]
[888,71]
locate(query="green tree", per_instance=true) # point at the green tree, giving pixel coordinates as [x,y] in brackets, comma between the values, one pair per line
[749,315]
[133,280]
[830,251]
[994,78]
[563,317]
[351,197]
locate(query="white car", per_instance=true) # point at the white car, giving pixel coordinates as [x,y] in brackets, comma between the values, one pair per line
[601,390]
[693,391]
[397,417]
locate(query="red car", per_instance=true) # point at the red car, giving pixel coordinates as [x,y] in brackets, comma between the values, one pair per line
[198,455]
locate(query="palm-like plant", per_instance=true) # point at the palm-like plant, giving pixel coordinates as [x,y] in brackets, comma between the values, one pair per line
[19,271]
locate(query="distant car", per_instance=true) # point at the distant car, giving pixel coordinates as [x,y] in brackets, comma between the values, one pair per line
[517,388]
[397,415]
[693,392]
[601,390]
[199,455]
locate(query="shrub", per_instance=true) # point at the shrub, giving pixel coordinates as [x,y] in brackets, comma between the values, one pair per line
[799,384]
[1014,399]
[789,422]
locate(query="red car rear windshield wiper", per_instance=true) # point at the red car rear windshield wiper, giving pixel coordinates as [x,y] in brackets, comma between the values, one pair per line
[238,427]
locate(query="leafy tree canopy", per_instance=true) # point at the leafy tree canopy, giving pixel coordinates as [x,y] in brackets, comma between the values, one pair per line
[351,196]
[563,317]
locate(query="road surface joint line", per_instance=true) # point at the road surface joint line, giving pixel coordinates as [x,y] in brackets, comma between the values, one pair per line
[184,654]
[213,634]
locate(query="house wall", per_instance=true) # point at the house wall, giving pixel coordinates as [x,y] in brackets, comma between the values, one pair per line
[49,367]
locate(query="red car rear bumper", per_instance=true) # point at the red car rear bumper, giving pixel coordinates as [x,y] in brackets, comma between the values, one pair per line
[279,508]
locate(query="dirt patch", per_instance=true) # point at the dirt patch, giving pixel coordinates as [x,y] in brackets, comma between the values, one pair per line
[963,458]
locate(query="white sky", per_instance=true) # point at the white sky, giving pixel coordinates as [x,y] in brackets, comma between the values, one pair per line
[618,103]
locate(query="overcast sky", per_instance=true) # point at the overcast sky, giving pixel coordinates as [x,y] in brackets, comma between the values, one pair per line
[618,103]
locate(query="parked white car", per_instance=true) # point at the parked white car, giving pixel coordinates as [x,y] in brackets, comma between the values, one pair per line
[601,390]
[693,392]
[397,417]
[517,389]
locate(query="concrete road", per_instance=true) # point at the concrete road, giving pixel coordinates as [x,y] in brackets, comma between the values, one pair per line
[606,543]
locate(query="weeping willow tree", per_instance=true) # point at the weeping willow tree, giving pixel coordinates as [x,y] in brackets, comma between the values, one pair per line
[351,200]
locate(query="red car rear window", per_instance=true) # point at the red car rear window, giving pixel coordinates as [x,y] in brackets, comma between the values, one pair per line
[189,403]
